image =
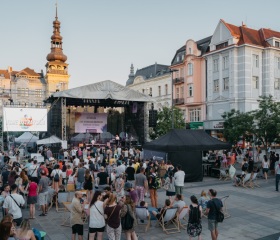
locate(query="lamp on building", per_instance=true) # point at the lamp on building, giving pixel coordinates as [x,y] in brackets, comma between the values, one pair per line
[172,121]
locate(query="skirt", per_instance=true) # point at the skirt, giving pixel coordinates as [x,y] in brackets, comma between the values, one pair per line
[194,229]
[31,199]
[170,193]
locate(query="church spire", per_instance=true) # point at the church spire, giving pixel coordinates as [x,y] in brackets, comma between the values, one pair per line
[131,70]
[56,53]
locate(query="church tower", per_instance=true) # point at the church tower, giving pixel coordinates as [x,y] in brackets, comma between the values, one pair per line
[57,77]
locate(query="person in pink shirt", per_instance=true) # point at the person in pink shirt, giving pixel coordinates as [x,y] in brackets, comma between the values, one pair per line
[32,197]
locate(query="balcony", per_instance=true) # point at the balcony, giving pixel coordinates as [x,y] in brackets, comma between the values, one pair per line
[178,80]
[179,101]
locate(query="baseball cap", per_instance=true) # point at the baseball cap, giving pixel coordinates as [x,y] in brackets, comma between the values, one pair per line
[127,185]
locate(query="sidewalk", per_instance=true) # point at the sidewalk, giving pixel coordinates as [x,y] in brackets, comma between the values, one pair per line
[254,214]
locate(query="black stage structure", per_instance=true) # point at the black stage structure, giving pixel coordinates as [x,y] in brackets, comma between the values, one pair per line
[102,94]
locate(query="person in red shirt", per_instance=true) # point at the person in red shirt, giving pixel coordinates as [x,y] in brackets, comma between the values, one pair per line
[32,197]
[43,167]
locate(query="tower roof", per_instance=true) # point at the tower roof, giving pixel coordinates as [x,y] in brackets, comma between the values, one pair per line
[56,53]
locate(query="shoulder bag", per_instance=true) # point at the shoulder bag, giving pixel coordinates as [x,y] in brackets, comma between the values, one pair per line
[220,215]
[15,201]
[106,217]
[127,221]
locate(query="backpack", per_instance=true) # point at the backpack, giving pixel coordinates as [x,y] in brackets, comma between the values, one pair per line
[56,176]
[37,233]
[156,182]
[245,166]
[127,221]
[194,216]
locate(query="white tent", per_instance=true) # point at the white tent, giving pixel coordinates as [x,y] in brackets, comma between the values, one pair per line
[26,137]
[82,137]
[51,140]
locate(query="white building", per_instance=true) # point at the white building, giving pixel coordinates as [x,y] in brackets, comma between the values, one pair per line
[242,64]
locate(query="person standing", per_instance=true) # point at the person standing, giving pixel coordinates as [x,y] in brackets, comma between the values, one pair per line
[169,186]
[43,193]
[141,184]
[13,203]
[277,175]
[80,174]
[103,179]
[77,212]
[153,188]
[32,171]
[179,180]
[194,228]
[32,198]
[213,206]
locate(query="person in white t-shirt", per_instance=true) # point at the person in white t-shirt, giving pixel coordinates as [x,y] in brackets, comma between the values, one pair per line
[179,180]
[76,162]
[12,204]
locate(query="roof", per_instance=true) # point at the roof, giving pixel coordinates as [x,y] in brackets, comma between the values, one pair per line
[152,71]
[104,90]
[5,74]
[178,140]
[28,72]
[181,50]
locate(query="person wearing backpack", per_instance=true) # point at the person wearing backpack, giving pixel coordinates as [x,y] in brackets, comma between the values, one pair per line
[154,184]
[214,206]
[56,176]
[194,227]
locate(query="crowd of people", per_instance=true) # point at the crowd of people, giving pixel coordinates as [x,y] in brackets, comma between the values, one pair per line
[109,183]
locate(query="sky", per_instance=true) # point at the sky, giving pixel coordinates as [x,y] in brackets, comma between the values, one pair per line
[101,38]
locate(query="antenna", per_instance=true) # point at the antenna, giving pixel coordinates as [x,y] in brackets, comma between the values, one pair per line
[56,10]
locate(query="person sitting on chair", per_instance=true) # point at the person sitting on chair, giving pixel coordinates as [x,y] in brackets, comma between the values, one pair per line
[161,211]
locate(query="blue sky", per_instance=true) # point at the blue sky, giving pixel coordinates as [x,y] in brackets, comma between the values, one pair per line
[102,38]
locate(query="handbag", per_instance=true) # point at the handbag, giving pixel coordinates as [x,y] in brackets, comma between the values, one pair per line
[127,221]
[220,215]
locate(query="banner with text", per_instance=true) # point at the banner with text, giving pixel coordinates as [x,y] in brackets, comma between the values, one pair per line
[90,122]
[25,119]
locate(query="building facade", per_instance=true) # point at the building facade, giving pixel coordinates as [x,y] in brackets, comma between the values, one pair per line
[242,64]
[188,66]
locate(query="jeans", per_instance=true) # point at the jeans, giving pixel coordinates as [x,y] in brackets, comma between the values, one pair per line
[277,181]
[153,195]
[80,185]
[179,189]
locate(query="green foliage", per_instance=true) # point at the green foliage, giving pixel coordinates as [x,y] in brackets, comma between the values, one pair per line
[164,122]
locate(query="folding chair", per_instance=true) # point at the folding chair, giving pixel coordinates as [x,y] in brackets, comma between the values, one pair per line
[246,180]
[225,210]
[67,214]
[61,197]
[182,217]
[253,181]
[169,217]
[143,217]
[224,175]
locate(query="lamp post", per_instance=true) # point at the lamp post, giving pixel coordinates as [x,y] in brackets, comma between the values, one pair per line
[172,120]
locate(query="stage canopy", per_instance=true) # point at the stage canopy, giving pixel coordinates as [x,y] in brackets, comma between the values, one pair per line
[26,137]
[51,140]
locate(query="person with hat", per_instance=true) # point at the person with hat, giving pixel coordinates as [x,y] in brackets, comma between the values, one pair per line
[102,179]
[131,191]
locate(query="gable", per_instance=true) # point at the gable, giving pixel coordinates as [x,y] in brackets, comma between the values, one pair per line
[221,34]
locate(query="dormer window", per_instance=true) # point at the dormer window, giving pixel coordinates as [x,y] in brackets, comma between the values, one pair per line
[277,44]
[221,45]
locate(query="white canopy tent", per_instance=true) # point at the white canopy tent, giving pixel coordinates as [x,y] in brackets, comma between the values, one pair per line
[82,137]
[51,140]
[27,137]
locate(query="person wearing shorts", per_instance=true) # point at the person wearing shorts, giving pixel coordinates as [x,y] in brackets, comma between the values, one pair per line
[43,193]
[77,212]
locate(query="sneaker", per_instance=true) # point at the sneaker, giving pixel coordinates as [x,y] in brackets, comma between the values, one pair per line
[42,215]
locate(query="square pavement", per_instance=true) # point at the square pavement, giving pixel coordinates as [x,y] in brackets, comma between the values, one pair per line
[255,214]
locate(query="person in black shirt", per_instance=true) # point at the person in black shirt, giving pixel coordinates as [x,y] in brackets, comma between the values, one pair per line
[103,179]
[130,171]
[5,175]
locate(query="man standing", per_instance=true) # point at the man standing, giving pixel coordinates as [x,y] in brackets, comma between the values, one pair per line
[13,203]
[153,188]
[77,211]
[32,171]
[213,206]
[43,193]
[141,184]
[103,179]
[277,175]
[130,172]
[179,180]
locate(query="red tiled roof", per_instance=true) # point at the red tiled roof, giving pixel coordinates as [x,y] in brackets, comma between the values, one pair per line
[5,73]
[268,33]
[28,72]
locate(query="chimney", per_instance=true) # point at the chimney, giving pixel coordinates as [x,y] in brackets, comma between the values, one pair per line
[243,24]
[10,69]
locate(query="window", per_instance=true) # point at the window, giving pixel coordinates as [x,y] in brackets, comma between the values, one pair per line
[216,65]
[151,92]
[225,84]
[190,51]
[190,69]
[143,91]
[177,93]
[222,45]
[166,89]
[277,84]
[225,62]
[255,60]
[182,57]
[159,90]
[190,90]
[23,92]
[277,62]
[277,44]
[195,115]
[255,82]
[182,91]
[38,93]
[216,85]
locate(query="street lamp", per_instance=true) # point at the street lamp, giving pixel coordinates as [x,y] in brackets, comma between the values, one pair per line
[172,71]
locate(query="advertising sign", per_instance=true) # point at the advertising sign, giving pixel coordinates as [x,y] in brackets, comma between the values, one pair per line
[90,122]
[25,119]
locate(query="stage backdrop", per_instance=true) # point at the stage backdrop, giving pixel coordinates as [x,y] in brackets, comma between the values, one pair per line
[25,119]
[90,122]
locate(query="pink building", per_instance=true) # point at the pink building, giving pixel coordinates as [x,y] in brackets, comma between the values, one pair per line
[189,81]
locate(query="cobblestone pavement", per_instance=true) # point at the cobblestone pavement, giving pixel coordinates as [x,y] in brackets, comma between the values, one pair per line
[255,214]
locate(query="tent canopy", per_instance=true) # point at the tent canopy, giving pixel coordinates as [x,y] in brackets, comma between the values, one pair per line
[26,137]
[51,140]
[104,90]
[186,140]
[82,137]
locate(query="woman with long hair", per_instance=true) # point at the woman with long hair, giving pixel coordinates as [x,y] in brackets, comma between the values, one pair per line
[88,184]
[194,227]
[119,186]
[32,197]
[169,186]
[265,166]
[202,201]
[7,230]
[12,178]
[112,216]
[97,221]
[129,208]
[25,231]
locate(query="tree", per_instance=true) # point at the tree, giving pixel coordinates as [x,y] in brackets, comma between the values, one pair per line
[164,122]
[238,125]
[267,119]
